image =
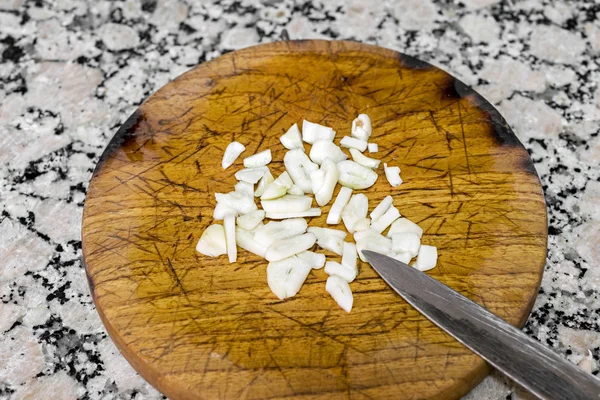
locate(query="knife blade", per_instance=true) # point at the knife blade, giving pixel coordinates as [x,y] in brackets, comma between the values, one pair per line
[531,364]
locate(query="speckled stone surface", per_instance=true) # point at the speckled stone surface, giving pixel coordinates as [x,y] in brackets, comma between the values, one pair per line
[71,71]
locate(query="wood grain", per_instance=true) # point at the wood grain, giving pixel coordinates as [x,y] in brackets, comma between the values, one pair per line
[200,328]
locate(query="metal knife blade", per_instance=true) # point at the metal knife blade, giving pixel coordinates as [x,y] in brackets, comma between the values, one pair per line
[531,364]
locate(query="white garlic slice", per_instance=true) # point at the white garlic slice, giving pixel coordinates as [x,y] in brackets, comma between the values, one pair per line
[258,160]
[278,187]
[361,127]
[265,181]
[242,204]
[380,224]
[244,188]
[353,143]
[245,240]
[331,174]
[315,260]
[287,203]
[427,258]
[299,167]
[251,220]
[382,207]
[406,243]
[360,158]
[295,190]
[335,212]
[339,289]
[403,225]
[277,230]
[322,149]
[212,243]
[343,271]
[392,174]
[311,132]
[311,212]
[251,175]
[402,257]
[232,152]
[349,255]
[286,277]
[229,225]
[280,249]
[292,139]
[356,209]
[356,176]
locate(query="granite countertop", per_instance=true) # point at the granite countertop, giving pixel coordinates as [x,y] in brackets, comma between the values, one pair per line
[73,70]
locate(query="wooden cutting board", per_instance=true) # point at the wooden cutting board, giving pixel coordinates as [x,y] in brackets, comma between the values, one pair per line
[201,328]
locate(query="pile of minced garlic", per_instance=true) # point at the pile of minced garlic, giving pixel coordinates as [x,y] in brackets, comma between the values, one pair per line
[286,241]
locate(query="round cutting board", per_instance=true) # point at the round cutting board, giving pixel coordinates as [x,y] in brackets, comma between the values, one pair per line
[201,328]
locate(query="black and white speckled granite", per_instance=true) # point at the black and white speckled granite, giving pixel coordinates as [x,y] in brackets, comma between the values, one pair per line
[73,70]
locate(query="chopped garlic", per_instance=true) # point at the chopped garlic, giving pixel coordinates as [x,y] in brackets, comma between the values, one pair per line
[356,176]
[339,289]
[265,181]
[278,187]
[258,160]
[232,152]
[245,240]
[317,179]
[311,132]
[360,158]
[403,225]
[392,174]
[373,147]
[287,203]
[335,213]
[323,233]
[331,174]
[267,234]
[427,258]
[380,224]
[371,240]
[286,277]
[285,179]
[382,207]
[349,255]
[402,257]
[229,225]
[322,149]
[361,127]
[212,243]
[251,220]
[299,167]
[356,209]
[311,212]
[285,248]
[406,243]
[331,243]
[251,175]
[244,188]
[353,143]
[221,210]
[345,272]
[295,190]
[315,260]
[242,204]
[362,224]
[291,139]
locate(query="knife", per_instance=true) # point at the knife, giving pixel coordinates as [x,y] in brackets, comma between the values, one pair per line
[531,364]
